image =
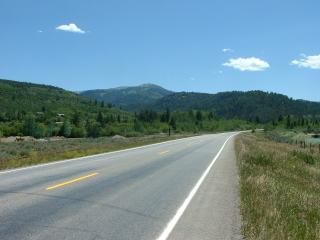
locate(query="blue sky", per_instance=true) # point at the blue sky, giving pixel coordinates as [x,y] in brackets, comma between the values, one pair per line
[78,45]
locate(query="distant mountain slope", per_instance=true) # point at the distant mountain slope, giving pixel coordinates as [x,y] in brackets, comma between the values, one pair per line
[28,97]
[244,105]
[129,98]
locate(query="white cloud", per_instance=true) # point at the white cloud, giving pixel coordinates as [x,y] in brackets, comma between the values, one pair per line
[40,31]
[227,50]
[312,62]
[70,28]
[247,64]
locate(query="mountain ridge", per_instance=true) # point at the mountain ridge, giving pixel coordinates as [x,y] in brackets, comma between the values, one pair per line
[17,97]
[248,105]
[129,98]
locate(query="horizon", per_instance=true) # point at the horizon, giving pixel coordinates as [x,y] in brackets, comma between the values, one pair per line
[210,47]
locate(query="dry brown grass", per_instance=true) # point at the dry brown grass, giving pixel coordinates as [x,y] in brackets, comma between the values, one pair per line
[19,154]
[280,189]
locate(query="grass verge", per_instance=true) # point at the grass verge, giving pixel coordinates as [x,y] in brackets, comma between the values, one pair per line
[20,154]
[280,189]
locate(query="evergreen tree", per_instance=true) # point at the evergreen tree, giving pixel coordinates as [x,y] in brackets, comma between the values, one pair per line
[288,122]
[76,118]
[173,123]
[29,125]
[280,118]
[199,115]
[40,131]
[210,116]
[66,128]
[100,118]
[257,120]
[137,126]
[93,129]
[168,114]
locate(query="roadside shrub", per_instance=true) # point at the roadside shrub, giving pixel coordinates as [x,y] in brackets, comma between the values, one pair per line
[133,134]
[138,127]
[25,152]
[306,157]
[93,129]
[78,132]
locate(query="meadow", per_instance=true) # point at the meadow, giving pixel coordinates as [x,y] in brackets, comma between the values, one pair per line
[279,187]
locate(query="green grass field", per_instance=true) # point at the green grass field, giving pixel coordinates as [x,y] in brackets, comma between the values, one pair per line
[280,189]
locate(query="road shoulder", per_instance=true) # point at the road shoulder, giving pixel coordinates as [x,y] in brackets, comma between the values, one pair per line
[214,211]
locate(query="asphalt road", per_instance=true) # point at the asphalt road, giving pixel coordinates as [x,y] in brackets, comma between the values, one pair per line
[174,190]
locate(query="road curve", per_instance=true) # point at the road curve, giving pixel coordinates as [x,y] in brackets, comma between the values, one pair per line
[132,194]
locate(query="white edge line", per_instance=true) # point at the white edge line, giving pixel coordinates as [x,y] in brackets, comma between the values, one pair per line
[95,155]
[172,223]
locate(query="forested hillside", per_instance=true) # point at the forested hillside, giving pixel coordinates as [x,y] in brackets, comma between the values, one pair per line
[44,111]
[252,105]
[22,97]
[28,109]
[129,98]
[41,110]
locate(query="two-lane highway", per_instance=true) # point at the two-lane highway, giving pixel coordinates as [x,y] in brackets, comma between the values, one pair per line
[131,194]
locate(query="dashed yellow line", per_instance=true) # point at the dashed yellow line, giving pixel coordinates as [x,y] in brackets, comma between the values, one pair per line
[72,181]
[164,152]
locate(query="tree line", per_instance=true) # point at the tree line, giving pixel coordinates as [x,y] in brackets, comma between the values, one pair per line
[80,124]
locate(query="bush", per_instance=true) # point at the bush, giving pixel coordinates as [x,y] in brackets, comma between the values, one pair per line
[93,129]
[137,126]
[306,157]
[40,131]
[78,132]
[29,125]
[25,152]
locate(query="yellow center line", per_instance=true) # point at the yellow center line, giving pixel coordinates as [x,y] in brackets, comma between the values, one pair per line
[72,181]
[164,152]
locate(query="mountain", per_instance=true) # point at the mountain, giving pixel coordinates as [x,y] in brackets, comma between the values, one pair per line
[244,105]
[249,105]
[28,97]
[18,98]
[129,98]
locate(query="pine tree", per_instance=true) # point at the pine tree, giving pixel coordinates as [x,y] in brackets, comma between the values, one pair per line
[66,128]
[173,123]
[29,125]
[288,122]
[199,115]
[168,115]
[100,118]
